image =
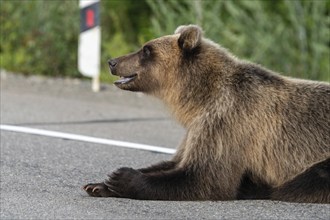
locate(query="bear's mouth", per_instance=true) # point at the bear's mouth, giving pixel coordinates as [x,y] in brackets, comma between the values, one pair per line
[125,79]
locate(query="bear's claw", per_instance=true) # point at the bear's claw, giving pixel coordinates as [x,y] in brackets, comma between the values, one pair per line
[98,190]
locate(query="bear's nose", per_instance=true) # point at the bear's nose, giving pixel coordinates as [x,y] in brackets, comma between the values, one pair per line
[112,63]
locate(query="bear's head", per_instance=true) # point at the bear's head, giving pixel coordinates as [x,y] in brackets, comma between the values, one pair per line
[157,65]
[184,70]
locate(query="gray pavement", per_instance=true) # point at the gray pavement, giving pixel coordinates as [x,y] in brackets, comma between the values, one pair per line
[41,177]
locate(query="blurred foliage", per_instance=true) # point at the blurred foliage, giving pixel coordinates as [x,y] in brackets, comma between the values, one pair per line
[39,37]
[289,36]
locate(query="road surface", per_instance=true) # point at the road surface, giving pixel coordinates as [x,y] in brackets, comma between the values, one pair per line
[41,177]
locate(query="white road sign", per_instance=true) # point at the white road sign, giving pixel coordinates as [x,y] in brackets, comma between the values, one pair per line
[89,47]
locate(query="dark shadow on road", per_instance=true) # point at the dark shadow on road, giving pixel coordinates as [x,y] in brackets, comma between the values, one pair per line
[101,121]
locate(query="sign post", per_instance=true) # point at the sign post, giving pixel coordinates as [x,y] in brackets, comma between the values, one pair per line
[89,47]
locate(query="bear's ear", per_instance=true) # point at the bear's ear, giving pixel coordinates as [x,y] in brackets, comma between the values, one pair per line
[190,36]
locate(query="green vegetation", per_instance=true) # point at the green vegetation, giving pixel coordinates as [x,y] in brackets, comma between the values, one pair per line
[289,36]
[39,37]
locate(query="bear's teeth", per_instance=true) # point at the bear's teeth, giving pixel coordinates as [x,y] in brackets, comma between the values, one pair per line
[125,79]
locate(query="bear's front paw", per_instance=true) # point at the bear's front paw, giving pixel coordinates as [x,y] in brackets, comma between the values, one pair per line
[124,182]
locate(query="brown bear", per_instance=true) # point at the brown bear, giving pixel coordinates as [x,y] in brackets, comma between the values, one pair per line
[251,133]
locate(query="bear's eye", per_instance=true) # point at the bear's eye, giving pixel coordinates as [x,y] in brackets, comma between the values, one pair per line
[146,51]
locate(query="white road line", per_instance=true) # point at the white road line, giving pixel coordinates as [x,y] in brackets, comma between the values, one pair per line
[86,138]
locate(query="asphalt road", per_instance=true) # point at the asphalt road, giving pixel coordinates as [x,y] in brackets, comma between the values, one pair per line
[41,177]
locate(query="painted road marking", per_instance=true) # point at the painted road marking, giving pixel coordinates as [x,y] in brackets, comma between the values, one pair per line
[84,138]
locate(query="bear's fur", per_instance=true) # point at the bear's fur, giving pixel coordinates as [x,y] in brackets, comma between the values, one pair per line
[251,133]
